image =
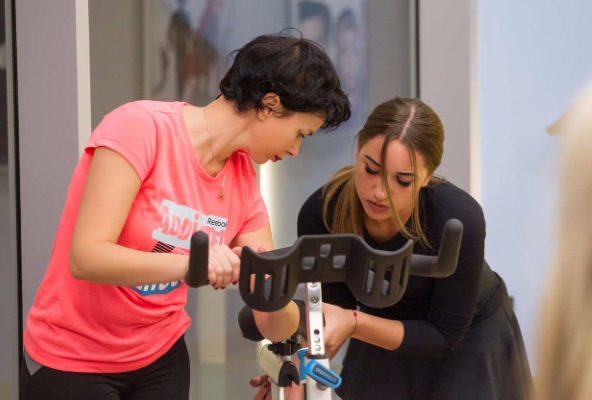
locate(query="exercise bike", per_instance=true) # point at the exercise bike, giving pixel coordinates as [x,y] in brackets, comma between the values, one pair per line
[268,282]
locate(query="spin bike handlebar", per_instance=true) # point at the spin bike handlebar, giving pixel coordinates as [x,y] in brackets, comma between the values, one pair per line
[377,278]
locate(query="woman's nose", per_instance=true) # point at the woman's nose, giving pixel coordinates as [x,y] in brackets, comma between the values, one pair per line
[294,150]
[379,192]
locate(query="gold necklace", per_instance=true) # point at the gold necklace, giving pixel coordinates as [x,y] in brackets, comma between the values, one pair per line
[221,192]
[222,187]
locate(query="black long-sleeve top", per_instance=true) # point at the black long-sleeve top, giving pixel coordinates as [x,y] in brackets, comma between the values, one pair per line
[436,312]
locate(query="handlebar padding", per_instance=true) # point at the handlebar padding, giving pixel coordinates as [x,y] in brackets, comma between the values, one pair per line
[378,278]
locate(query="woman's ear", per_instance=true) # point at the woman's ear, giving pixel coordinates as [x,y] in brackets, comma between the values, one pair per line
[426,180]
[271,103]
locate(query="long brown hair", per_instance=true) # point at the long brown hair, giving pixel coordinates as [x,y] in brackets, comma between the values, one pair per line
[419,128]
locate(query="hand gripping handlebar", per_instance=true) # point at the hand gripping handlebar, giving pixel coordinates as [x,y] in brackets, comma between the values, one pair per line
[377,278]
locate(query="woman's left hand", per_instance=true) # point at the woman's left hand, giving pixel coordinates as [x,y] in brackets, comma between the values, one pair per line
[340,323]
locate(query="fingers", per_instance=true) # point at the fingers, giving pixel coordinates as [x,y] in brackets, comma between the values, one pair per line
[236,271]
[264,393]
[262,382]
[335,332]
[223,266]
[259,380]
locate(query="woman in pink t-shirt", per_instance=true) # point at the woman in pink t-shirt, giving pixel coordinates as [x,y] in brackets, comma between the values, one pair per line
[108,319]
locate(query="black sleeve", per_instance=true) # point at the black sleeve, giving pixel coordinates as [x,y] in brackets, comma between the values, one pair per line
[310,222]
[454,299]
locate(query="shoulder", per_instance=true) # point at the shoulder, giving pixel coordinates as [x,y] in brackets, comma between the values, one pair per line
[314,202]
[451,201]
[132,114]
[136,117]
[146,108]
[133,131]
[444,201]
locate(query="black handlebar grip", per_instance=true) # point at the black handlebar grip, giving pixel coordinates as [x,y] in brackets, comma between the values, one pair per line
[445,264]
[197,274]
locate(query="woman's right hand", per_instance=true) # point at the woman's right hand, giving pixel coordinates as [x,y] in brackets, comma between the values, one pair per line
[223,266]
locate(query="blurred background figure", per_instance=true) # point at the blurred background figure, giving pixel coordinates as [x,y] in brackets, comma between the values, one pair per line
[179,40]
[193,48]
[314,21]
[565,345]
[208,61]
[350,61]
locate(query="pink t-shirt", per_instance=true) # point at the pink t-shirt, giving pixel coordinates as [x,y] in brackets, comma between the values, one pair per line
[82,326]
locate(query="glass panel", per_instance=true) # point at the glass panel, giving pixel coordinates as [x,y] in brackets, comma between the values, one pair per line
[9,332]
[177,50]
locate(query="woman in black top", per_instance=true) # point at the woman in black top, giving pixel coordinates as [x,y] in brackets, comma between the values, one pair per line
[447,338]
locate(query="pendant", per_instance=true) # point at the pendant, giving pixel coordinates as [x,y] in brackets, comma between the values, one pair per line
[222,188]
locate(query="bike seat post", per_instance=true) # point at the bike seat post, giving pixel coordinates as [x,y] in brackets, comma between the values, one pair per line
[316,340]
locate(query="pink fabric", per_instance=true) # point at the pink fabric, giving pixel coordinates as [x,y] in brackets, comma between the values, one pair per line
[87,327]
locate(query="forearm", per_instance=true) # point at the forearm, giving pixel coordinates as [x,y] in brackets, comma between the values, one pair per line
[112,264]
[380,332]
[278,325]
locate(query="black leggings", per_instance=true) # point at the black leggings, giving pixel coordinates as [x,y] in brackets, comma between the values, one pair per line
[166,378]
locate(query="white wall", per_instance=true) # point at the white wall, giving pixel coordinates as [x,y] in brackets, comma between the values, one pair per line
[446,81]
[533,57]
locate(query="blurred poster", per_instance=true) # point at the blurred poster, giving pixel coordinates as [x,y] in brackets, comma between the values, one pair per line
[186,48]
[340,27]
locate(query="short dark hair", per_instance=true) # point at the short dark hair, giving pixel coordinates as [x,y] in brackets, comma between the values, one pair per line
[296,69]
